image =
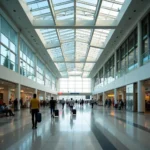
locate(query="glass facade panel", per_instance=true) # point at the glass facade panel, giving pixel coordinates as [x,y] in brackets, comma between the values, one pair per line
[75,85]
[8,45]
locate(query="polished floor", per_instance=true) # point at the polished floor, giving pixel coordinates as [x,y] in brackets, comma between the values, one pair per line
[97,129]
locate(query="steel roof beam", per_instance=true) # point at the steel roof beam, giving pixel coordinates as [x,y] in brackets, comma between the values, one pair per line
[80,24]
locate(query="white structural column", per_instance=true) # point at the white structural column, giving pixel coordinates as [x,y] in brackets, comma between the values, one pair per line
[97,97]
[35,91]
[17,93]
[103,75]
[44,95]
[139,44]
[18,49]
[115,64]
[123,95]
[104,98]
[35,62]
[141,98]
[9,94]
[115,96]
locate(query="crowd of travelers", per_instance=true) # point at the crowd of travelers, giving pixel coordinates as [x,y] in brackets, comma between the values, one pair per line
[119,104]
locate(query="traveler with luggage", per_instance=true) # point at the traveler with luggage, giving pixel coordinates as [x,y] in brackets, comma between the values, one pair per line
[34,109]
[92,102]
[63,103]
[52,106]
[71,104]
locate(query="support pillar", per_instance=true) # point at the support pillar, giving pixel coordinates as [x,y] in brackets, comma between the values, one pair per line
[139,43]
[104,98]
[115,65]
[35,66]
[17,93]
[97,97]
[18,49]
[9,94]
[44,95]
[115,96]
[141,98]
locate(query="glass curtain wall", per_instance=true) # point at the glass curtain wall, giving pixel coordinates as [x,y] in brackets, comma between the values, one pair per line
[96,78]
[8,46]
[109,71]
[127,55]
[101,77]
[27,63]
[75,85]
[145,39]
[9,56]
[40,72]
[48,76]
[53,83]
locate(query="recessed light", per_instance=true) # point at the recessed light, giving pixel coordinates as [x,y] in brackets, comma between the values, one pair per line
[129,18]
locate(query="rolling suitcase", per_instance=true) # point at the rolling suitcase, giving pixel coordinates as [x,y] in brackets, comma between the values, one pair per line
[56,113]
[74,111]
[39,117]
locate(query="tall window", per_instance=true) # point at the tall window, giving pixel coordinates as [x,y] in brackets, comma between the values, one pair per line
[40,72]
[8,45]
[26,61]
[127,54]
[109,70]
[145,39]
[48,78]
[75,85]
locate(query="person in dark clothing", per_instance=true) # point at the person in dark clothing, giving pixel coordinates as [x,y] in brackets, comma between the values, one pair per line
[109,103]
[15,104]
[52,106]
[21,102]
[63,103]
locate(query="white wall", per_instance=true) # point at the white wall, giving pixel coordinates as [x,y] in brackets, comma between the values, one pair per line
[9,75]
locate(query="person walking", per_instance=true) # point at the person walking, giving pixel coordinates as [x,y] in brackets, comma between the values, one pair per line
[92,102]
[16,104]
[63,103]
[71,103]
[34,109]
[52,106]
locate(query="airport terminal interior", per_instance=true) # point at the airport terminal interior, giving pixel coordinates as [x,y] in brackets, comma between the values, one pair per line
[92,57]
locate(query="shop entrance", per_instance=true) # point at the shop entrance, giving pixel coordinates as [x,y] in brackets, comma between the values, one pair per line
[147,95]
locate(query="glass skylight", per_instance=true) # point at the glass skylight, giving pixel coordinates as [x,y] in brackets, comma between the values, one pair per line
[61,66]
[88,66]
[56,54]
[66,35]
[85,74]
[110,9]
[85,9]
[99,37]
[74,73]
[49,35]
[75,50]
[39,9]
[83,35]
[64,9]
[94,54]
